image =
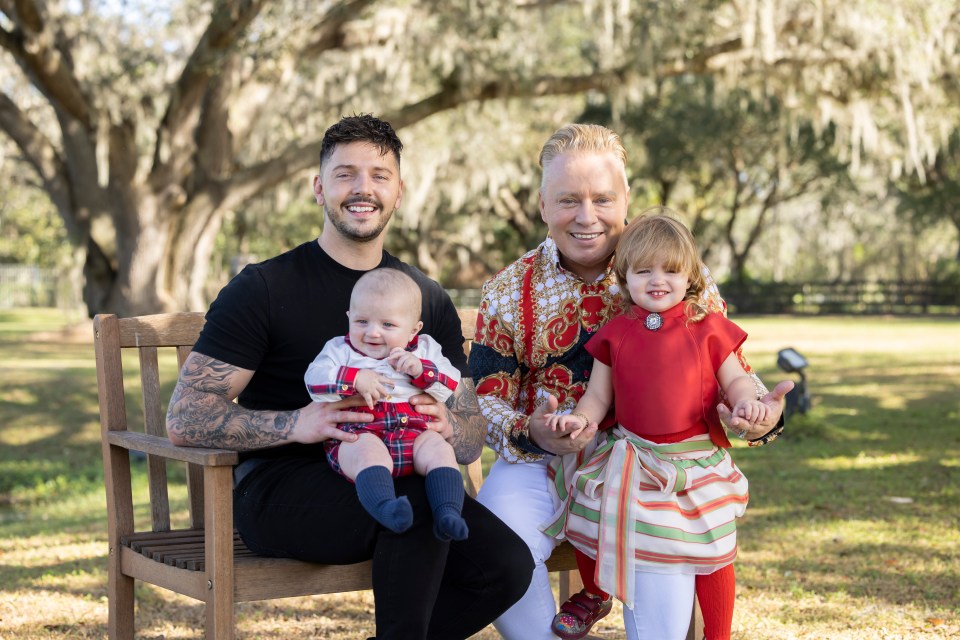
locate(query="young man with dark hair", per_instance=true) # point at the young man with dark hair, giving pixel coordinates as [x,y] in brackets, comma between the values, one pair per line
[262,332]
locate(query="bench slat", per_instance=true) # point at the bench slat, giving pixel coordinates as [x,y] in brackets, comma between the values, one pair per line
[153,425]
[188,544]
[154,445]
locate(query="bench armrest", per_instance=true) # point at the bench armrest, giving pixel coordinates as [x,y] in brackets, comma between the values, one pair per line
[157,446]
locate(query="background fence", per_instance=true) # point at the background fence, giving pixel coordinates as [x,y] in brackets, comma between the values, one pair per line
[855,297]
[27,286]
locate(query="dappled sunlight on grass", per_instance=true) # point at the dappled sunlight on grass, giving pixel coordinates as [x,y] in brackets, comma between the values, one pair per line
[62,545]
[862,461]
[38,614]
[896,402]
[798,614]
[847,566]
[349,615]
[11,438]
[811,335]
[85,435]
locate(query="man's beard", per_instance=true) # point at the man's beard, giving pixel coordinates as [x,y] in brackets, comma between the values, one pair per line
[352,231]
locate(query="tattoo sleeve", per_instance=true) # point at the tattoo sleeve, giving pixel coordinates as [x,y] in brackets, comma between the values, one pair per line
[202,413]
[469,427]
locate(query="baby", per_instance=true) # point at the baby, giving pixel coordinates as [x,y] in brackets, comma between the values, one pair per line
[386,362]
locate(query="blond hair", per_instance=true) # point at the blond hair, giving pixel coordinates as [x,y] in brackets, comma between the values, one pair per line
[391,283]
[586,138]
[657,235]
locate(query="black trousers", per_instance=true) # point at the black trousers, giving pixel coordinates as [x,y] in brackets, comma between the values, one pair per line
[423,588]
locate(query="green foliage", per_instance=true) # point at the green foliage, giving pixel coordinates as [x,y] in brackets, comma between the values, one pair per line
[30,230]
[934,198]
[736,157]
[264,230]
[946,271]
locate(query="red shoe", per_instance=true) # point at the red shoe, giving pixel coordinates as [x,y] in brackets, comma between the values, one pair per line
[578,614]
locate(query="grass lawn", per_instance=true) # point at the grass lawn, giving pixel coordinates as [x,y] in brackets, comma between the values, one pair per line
[852,532]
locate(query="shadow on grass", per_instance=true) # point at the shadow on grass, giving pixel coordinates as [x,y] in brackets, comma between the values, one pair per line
[39,576]
[49,422]
[50,439]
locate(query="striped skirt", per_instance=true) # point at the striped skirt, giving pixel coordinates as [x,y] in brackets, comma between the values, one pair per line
[635,505]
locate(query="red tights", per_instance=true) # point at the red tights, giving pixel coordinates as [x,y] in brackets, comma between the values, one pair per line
[715,593]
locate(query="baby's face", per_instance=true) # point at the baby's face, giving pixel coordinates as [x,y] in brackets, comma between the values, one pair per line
[379,324]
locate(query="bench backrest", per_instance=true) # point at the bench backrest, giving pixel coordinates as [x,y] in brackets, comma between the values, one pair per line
[149,336]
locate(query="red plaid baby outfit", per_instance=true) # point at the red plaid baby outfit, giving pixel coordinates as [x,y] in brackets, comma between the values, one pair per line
[331,375]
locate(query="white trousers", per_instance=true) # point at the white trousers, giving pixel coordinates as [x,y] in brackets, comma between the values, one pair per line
[664,602]
[520,496]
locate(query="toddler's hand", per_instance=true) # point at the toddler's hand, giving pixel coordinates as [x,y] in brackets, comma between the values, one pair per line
[567,424]
[405,362]
[574,427]
[551,420]
[753,411]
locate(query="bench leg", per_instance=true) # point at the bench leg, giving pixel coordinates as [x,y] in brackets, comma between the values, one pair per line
[570,583]
[218,547]
[219,624]
[119,601]
[696,622]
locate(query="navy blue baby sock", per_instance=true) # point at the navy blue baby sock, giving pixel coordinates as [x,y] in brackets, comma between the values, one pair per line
[377,495]
[445,494]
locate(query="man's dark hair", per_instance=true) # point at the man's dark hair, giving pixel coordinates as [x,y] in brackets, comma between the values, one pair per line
[361,128]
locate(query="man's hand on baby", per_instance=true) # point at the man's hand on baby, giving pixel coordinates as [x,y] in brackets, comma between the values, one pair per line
[318,421]
[405,362]
[372,386]
[439,417]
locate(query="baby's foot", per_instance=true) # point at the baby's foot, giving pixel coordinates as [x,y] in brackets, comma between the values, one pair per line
[396,514]
[450,526]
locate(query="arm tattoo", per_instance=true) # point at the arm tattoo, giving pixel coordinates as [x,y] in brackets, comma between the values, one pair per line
[202,415]
[469,427]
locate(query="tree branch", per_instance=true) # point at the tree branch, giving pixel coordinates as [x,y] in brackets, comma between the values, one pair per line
[329,30]
[44,56]
[451,94]
[254,179]
[765,207]
[38,151]
[174,137]
[214,137]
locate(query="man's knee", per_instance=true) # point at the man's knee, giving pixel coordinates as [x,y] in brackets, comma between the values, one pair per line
[515,565]
[522,575]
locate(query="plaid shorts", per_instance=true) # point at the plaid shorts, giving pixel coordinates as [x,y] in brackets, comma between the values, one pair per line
[397,424]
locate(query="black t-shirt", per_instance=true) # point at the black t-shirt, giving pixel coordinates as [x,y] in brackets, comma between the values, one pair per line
[274,318]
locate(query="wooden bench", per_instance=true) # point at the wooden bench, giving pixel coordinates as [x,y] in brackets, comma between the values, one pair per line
[206,560]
